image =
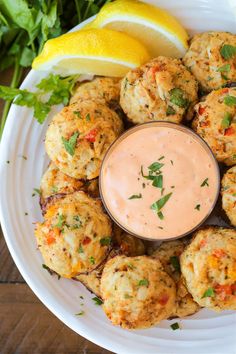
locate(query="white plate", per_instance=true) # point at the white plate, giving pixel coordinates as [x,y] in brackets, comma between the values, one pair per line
[205,332]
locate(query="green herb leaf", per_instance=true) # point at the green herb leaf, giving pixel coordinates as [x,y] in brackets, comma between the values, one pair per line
[60,221]
[228,51]
[177,97]
[155,166]
[70,144]
[161,158]
[105,241]
[38,191]
[80,250]
[226,121]
[170,111]
[143,282]
[97,301]
[205,183]
[88,117]
[81,313]
[230,100]
[174,260]
[224,68]
[78,114]
[210,292]
[197,207]
[159,204]
[158,181]
[92,260]
[47,268]
[175,326]
[160,215]
[135,196]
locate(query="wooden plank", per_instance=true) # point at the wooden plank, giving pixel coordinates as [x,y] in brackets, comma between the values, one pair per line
[28,327]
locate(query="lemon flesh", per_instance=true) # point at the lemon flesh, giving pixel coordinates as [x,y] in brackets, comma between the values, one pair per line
[155,28]
[92,51]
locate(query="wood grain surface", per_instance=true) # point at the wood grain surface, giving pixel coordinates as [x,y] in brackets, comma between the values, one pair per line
[26,325]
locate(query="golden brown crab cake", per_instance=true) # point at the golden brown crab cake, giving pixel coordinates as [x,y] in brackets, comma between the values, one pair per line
[71,238]
[136,292]
[228,192]
[100,88]
[54,183]
[79,136]
[128,244]
[208,265]
[162,89]
[168,254]
[211,59]
[215,122]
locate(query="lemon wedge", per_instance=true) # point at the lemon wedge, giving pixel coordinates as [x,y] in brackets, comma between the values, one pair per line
[160,32]
[92,51]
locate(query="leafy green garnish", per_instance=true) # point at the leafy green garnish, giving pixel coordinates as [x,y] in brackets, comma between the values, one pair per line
[88,117]
[224,68]
[177,97]
[197,207]
[70,144]
[135,196]
[160,215]
[170,111]
[81,313]
[92,260]
[230,100]
[80,250]
[205,183]
[175,326]
[228,51]
[97,301]
[105,241]
[47,268]
[174,260]
[161,158]
[210,292]
[60,221]
[159,204]
[78,114]
[37,190]
[155,166]
[158,181]
[143,282]
[226,121]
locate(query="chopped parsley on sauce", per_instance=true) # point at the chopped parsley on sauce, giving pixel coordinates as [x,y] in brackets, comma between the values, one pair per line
[197,207]
[159,204]
[205,183]
[136,196]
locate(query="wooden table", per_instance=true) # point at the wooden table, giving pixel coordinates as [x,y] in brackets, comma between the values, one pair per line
[26,325]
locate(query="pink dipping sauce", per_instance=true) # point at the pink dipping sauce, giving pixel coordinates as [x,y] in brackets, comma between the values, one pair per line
[188,188]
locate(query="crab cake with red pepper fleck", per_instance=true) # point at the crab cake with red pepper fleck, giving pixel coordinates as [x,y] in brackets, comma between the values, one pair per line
[168,254]
[162,89]
[211,58]
[79,136]
[215,122]
[101,88]
[71,236]
[54,183]
[208,265]
[228,192]
[137,292]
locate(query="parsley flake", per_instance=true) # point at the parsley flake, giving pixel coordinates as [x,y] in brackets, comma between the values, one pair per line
[135,196]
[70,144]
[205,183]
[158,181]
[78,114]
[170,111]
[81,313]
[174,260]
[97,301]
[197,207]
[155,166]
[224,68]
[80,250]
[210,292]
[175,326]
[105,241]
[160,215]
[226,121]
[177,97]
[87,117]
[230,100]
[159,204]
[143,282]
[92,260]
[227,51]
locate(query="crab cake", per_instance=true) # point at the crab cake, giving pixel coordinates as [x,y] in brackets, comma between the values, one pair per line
[128,244]
[72,236]
[79,136]
[136,292]
[168,254]
[54,183]
[208,265]
[215,122]
[228,192]
[162,89]
[101,88]
[211,59]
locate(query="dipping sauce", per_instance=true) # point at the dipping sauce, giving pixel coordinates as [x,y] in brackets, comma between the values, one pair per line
[159,180]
